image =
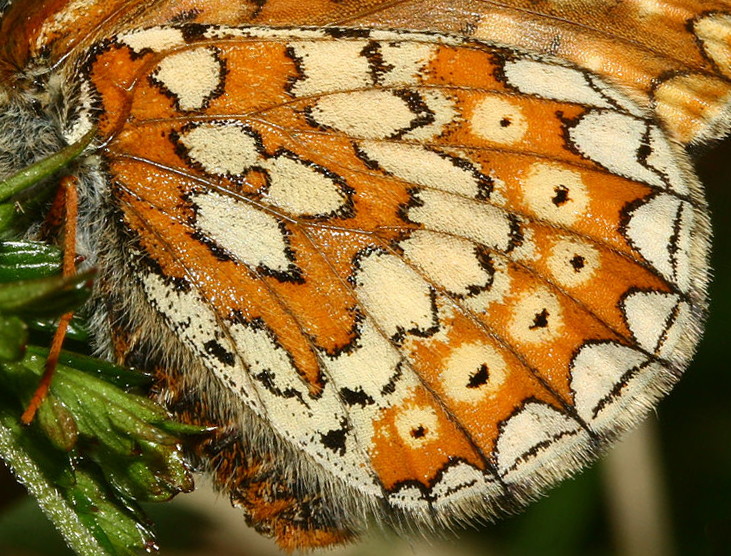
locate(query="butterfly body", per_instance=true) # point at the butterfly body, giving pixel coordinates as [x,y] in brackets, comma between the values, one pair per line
[411,267]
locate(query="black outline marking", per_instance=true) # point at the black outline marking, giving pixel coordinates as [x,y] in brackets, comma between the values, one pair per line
[436,478]
[423,115]
[346,32]
[355,397]
[377,67]
[182,18]
[299,66]
[215,349]
[336,440]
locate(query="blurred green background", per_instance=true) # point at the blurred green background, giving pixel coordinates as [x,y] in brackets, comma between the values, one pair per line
[693,435]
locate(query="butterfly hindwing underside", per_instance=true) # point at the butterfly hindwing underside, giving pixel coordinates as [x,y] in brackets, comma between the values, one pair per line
[415,276]
[387,260]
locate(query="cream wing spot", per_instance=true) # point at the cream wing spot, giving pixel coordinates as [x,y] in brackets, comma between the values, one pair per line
[462,483]
[534,77]
[370,368]
[649,315]
[473,372]
[397,298]
[685,246]
[652,229]
[534,437]
[713,32]
[598,373]
[417,426]
[157,39]
[193,77]
[405,60]
[555,194]
[537,317]
[663,158]
[616,141]
[467,272]
[253,237]
[268,363]
[479,222]
[673,344]
[370,114]
[303,189]
[573,263]
[409,498]
[330,66]
[221,149]
[421,166]
[498,120]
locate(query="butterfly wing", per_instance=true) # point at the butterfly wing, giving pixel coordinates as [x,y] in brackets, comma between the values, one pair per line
[674,60]
[432,274]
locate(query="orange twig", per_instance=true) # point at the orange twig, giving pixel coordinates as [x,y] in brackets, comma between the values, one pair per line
[68,185]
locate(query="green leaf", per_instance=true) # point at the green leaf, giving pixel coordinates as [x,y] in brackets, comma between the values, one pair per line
[45,297]
[13,338]
[24,260]
[44,168]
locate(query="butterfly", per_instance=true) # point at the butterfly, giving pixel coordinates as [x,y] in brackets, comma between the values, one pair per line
[414,261]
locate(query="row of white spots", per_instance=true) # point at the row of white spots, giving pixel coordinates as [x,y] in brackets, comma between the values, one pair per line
[312,34]
[298,187]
